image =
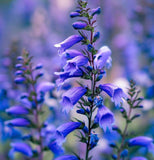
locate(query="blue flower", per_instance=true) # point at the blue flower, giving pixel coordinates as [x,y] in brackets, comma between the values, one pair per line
[55,148]
[79,25]
[93,140]
[105,118]
[19,72]
[19,80]
[39,66]
[96,11]
[138,158]
[124,153]
[113,91]
[71,53]
[66,75]
[18,122]
[102,57]
[74,14]
[96,36]
[17,110]
[66,128]
[45,87]
[67,157]
[71,97]
[22,148]
[73,65]
[142,141]
[68,43]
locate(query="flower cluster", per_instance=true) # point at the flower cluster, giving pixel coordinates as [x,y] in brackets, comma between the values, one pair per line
[89,64]
[122,149]
[29,110]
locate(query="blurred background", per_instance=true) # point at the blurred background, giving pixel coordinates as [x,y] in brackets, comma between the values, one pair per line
[127,27]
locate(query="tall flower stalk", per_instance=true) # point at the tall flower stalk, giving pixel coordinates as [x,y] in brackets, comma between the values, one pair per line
[122,149]
[30,110]
[89,64]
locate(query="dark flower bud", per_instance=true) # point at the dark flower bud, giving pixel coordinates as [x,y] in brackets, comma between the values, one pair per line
[19,72]
[124,153]
[96,36]
[113,145]
[74,14]
[85,129]
[90,68]
[81,111]
[39,66]
[78,10]
[19,58]
[114,156]
[18,66]
[95,11]
[90,47]
[79,25]
[99,77]
[90,99]
[19,80]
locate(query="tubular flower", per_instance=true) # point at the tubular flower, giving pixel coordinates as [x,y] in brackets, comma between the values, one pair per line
[18,122]
[22,148]
[68,43]
[45,87]
[114,92]
[67,157]
[74,64]
[102,57]
[71,97]
[79,25]
[142,141]
[74,14]
[96,11]
[17,110]
[66,75]
[55,148]
[65,129]
[105,118]
[71,53]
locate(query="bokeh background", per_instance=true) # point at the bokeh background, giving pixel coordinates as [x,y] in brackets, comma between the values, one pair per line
[127,27]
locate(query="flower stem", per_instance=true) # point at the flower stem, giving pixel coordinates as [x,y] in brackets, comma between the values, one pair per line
[93,83]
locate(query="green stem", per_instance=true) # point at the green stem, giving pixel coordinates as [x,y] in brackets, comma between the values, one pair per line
[92,105]
[124,134]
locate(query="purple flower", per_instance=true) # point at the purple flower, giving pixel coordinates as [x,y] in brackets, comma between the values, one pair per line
[17,110]
[71,53]
[105,118]
[113,91]
[18,122]
[39,66]
[93,140]
[142,141]
[71,97]
[74,64]
[96,11]
[19,80]
[55,148]
[22,148]
[79,25]
[45,87]
[67,157]
[66,128]
[102,57]
[74,14]
[68,43]
[19,72]
[138,158]
[66,75]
